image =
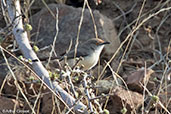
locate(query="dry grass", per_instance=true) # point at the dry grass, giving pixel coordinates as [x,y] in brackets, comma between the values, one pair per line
[74,87]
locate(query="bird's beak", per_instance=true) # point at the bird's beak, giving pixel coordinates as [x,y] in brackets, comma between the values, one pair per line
[104,43]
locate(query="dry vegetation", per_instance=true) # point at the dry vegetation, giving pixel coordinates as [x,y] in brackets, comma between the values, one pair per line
[140,82]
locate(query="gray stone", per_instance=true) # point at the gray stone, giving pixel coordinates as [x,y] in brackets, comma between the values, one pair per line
[69,18]
[4,70]
[120,96]
[104,86]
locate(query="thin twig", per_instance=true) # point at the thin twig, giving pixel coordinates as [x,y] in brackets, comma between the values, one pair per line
[79,28]
[26,49]
[71,84]
[91,13]
[87,92]
[54,41]
[130,34]
[16,81]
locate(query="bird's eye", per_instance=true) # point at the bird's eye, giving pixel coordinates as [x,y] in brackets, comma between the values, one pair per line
[97,43]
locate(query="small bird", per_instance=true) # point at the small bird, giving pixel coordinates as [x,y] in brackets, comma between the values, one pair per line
[89,51]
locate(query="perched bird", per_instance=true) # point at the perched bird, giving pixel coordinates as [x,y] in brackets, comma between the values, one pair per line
[89,51]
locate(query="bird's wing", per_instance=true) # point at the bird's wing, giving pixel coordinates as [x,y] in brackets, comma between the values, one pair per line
[80,53]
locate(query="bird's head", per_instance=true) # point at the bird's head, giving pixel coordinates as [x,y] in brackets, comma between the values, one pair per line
[96,42]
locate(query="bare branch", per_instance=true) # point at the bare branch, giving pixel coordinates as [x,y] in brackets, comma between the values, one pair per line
[21,37]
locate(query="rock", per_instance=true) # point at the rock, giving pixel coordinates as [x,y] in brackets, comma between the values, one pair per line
[104,86]
[115,65]
[24,76]
[3,72]
[164,96]
[9,87]
[95,72]
[4,69]
[120,96]
[38,4]
[48,105]
[13,106]
[151,85]
[135,79]
[69,19]
[7,105]
[2,22]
